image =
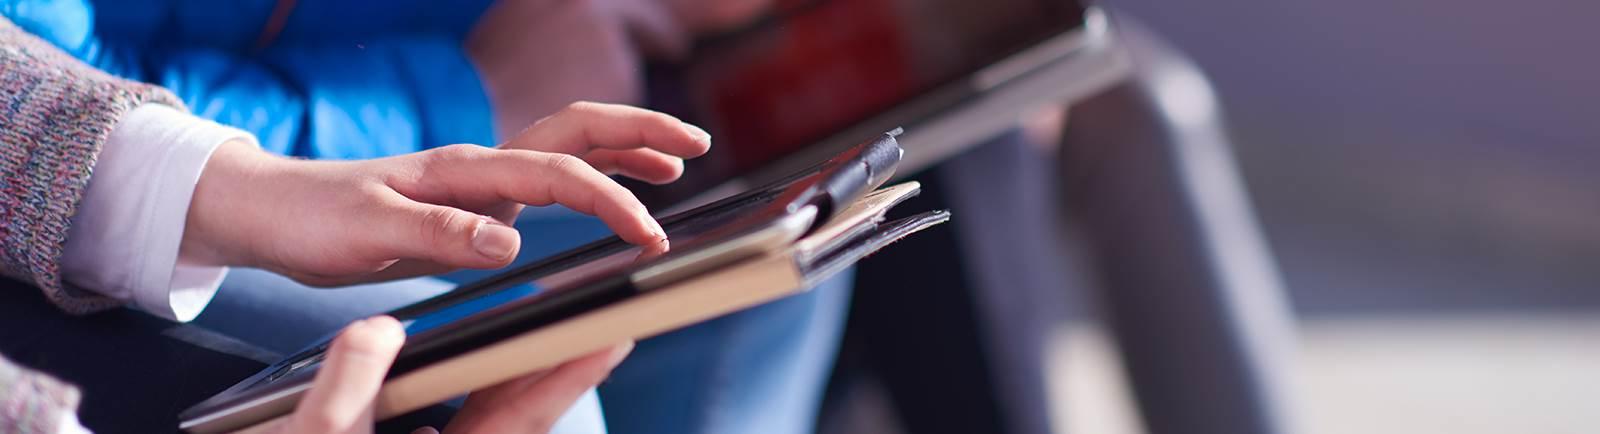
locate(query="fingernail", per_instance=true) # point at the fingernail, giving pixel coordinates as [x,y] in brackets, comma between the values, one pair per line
[656,232]
[698,134]
[495,241]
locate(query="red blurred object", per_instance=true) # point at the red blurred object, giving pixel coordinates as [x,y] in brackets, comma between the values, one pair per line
[773,106]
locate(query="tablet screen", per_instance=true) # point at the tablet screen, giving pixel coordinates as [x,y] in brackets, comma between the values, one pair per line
[814,68]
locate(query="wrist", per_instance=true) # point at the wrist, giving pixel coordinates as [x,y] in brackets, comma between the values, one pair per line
[217,227]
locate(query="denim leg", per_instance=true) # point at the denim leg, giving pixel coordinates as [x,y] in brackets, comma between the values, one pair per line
[276,313]
[761,370]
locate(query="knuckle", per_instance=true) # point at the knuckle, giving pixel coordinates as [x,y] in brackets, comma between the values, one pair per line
[581,107]
[565,164]
[662,120]
[436,224]
[369,195]
[452,153]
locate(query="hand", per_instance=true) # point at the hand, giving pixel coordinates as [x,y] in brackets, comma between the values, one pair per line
[340,222]
[342,395]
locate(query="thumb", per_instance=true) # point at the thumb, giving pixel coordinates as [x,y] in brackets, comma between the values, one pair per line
[452,236]
[342,394]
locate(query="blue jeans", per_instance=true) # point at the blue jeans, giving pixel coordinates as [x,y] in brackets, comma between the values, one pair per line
[760,370]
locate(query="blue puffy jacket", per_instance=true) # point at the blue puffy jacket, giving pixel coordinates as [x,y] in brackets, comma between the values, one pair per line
[342,79]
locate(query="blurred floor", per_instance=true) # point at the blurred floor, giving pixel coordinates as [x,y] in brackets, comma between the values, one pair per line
[1460,374]
[1463,374]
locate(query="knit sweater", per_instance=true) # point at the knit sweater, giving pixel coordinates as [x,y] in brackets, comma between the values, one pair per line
[55,115]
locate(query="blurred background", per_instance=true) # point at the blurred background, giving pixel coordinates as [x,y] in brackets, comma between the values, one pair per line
[1415,156]
[1288,216]
[1422,171]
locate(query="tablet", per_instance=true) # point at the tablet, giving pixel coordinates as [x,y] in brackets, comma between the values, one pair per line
[581,280]
[814,76]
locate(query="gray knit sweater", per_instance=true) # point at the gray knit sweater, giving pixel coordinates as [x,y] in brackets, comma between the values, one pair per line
[55,115]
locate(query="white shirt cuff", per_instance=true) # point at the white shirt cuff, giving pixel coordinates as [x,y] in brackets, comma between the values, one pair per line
[125,237]
[69,424]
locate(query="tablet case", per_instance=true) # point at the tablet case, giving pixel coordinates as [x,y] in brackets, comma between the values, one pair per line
[853,234]
[849,224]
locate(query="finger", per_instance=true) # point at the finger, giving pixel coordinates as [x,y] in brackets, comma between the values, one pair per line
[341,396]
[585,125]
[537,401]
[475,174]
[449,236]
[566,383]
[575,377]
[425,430]
[646,165]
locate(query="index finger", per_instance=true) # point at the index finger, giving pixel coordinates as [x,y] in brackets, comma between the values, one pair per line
[480,175]
[584,126]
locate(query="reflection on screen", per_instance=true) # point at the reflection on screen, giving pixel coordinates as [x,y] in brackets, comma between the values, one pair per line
[431,320]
